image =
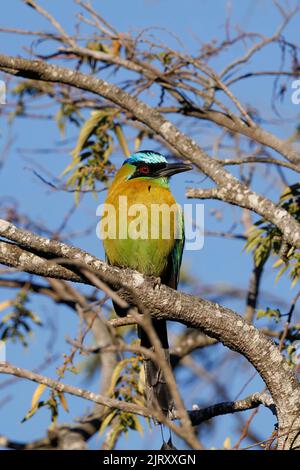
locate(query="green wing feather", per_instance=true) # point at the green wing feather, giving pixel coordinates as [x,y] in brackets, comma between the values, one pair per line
[171,277]
[178,249]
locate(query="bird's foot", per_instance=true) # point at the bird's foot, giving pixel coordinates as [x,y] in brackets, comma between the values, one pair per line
[156,282]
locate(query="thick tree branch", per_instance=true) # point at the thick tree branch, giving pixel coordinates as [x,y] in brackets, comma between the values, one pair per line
[165,303]
[230,189]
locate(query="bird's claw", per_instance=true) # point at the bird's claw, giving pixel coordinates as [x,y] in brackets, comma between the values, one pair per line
[156,281]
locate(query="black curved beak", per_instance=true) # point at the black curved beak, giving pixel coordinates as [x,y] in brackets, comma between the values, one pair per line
[172,169]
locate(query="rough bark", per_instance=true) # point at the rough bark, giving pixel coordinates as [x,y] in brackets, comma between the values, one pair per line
[229,188]
[211,318]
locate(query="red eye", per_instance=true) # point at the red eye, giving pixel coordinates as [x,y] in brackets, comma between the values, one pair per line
[144,170]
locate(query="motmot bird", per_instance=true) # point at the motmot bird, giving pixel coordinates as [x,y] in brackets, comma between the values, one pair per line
[144,179]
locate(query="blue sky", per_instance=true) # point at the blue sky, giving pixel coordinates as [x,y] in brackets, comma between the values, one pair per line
[220,261]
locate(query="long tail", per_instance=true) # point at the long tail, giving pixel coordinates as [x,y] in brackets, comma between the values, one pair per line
[157,392]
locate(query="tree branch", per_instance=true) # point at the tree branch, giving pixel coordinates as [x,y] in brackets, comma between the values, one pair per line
[233,191]
[165,303]
[248,403]
[6,368]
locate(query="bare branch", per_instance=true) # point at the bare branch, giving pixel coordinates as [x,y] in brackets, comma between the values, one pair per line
[233,191]
[51,19]
[248,403]
[165,303]
[6,368]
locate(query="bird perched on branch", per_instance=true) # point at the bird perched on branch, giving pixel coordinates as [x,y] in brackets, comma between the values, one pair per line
[147,235]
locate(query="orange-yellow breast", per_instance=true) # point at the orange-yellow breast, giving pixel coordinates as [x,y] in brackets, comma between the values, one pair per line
[145,219]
